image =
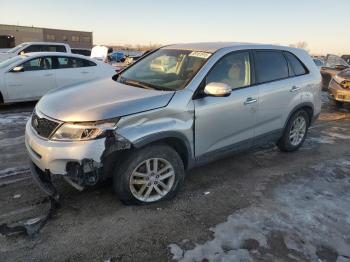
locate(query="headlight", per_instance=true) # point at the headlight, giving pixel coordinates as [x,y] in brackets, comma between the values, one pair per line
[83,131]
[343,82]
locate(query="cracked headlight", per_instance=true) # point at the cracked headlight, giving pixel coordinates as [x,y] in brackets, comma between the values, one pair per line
[83,131]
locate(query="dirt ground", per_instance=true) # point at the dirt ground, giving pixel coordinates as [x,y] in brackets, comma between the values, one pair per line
[261,205]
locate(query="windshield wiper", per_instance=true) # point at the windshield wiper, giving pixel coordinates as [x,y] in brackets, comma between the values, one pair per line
[137,84]
[141,84]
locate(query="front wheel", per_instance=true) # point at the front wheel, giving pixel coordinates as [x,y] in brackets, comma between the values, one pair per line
[295,132]
[149,175]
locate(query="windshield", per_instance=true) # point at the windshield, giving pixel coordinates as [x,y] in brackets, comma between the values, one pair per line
[10,61]
[333,61]
[165,69]
[16,48]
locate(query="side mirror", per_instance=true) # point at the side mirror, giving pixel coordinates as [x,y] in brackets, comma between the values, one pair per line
[17,69]
[217,89]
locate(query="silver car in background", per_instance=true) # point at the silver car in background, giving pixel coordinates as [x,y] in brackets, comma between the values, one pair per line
[146,126]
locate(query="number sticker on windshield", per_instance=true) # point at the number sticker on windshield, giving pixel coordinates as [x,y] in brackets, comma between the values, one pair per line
[200,54]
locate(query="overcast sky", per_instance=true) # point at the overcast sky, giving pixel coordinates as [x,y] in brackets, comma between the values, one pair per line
[324,25]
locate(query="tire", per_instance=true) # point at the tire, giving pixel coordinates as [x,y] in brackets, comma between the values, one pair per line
[338,103]
[286,144]
[140,167]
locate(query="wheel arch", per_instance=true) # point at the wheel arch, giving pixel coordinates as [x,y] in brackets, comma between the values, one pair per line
[175,140]
[308,107]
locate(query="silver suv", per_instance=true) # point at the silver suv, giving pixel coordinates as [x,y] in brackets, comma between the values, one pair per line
[178,107]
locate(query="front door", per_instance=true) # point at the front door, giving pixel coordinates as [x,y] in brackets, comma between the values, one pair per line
[37,78]
[225,123]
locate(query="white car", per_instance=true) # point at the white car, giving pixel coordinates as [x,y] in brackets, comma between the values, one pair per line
[28,77]
[30,47]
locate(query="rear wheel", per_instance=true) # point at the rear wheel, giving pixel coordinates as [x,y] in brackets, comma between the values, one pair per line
[295,132]
[149,175]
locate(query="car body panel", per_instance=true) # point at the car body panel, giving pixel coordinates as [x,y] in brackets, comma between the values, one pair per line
[108,99]
[340,93]
[205,125]
[31,85]
[7,55]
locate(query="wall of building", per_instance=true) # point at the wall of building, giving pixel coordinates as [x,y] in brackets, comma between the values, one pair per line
[78,39]
[22,33]
[73,38]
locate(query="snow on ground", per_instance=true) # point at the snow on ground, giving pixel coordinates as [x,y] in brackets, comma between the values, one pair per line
[14,118]
[13,171]
[294,220]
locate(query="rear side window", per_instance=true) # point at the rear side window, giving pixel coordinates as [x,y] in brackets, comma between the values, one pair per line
[32,48]
[54,48]
[72,62]
[297,67]
[270,65]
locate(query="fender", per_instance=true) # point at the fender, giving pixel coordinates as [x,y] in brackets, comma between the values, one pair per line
[161,136]
[299,106]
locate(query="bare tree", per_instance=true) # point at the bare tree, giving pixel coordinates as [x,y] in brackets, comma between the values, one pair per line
[302,45]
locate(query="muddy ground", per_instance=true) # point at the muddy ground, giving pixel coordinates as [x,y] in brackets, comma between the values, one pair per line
[261,205]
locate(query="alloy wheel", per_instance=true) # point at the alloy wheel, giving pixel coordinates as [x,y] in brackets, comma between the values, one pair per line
[152,179]
[297,131]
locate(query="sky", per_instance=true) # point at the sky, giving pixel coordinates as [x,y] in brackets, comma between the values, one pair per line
[324,25]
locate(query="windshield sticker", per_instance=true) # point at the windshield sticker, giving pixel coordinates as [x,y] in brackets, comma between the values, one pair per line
[200,54]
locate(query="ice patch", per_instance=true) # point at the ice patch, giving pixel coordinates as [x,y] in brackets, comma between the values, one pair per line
[15,118]
[302,217]
[12,141]
[13,171]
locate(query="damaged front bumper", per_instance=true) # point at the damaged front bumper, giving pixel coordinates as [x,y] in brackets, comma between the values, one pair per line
[79,163]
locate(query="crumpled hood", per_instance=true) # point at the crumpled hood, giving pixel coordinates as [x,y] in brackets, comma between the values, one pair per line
[345,73]
[99,100]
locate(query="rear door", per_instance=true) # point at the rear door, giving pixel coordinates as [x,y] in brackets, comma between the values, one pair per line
[37,79]
[223,122]
[279,90]
[72,70]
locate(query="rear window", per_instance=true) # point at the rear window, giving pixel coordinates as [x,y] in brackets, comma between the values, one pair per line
[297,67]
[270,65]
[54,48]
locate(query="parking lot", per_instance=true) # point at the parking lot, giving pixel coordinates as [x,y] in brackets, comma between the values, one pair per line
[263,205]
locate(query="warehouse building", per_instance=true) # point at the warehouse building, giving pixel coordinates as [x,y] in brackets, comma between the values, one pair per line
[12,35]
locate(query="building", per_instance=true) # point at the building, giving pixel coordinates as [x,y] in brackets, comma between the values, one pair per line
[19,34]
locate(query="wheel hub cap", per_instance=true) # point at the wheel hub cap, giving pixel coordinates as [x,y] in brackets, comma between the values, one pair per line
[297,131]
[152,179]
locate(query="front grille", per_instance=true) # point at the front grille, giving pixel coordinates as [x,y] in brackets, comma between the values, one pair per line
[43,126]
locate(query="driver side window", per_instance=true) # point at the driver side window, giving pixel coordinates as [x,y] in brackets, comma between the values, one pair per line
[233,70]
[41,63]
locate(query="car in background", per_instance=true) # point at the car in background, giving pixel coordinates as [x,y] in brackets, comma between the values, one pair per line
[318,62]
[332,65]
[339,88]
[101,53]
[346,58]
[30,47]
[81,51]
[28,77]
[118,57]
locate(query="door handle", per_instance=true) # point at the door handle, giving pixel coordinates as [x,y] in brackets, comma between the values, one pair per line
[295,88]
[250,101]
